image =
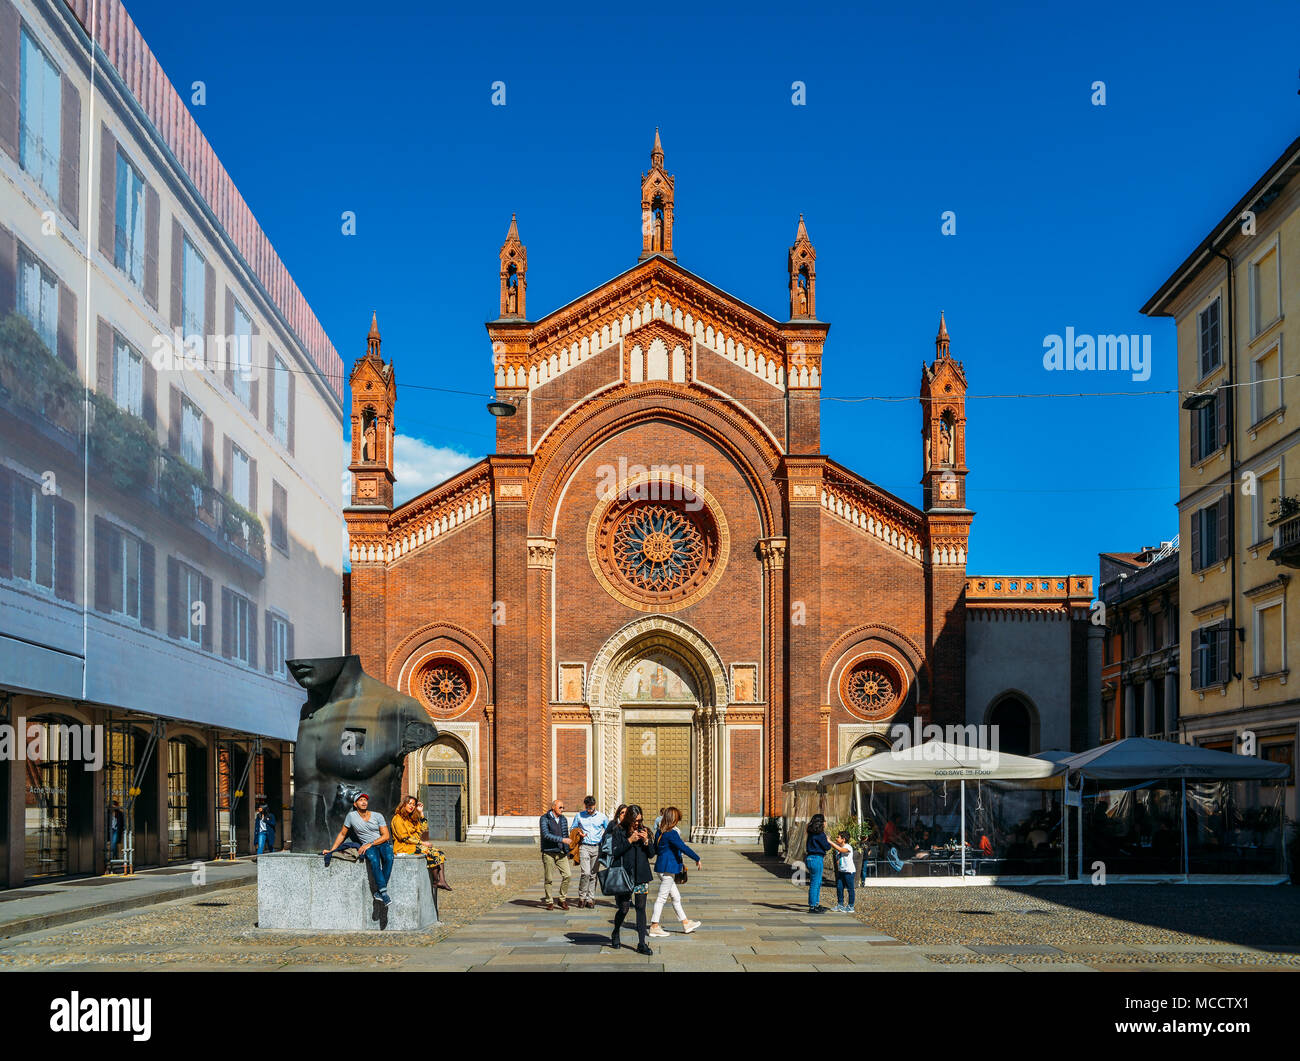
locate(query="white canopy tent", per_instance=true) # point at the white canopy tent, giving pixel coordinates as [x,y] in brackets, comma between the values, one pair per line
[915,768]
[1137,763]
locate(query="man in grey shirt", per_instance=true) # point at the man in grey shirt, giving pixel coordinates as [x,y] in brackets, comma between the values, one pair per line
[368,829]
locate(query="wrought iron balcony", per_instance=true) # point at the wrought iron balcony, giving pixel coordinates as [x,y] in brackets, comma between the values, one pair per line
[1286,538]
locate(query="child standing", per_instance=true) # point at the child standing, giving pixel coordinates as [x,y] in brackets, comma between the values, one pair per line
[845,871]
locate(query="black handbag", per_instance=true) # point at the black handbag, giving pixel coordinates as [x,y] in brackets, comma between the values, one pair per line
[614,880]
[680,876]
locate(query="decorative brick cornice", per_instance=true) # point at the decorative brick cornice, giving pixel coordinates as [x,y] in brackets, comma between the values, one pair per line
[873,511]
[657,291]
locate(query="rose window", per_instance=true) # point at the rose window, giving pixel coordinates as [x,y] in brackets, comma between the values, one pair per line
[657,548]
[444,686]
[657,553]
[872,689]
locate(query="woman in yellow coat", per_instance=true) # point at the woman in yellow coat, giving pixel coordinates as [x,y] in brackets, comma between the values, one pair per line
[406,828]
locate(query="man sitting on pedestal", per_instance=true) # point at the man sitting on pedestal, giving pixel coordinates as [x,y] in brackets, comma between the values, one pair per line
[368,829]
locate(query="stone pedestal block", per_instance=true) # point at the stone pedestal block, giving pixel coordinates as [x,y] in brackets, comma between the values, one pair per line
[298,892]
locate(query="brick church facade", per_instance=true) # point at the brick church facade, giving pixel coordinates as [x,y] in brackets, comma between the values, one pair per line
[659,589]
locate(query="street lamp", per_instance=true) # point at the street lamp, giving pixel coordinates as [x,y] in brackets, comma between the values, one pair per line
[500,408]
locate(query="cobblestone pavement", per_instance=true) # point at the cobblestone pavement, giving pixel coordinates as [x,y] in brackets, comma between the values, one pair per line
[753,918]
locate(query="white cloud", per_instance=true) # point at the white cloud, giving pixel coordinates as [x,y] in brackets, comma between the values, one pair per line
[419,465]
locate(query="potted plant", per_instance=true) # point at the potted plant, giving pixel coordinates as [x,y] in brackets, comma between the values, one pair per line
[771,831]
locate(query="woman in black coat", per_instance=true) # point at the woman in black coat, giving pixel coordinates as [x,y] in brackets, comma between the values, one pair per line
[630,848]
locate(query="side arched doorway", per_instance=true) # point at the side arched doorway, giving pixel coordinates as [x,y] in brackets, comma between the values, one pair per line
[1014,722]
[868,745]
[442,785]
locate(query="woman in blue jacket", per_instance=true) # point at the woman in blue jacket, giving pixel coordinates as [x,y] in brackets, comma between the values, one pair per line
[815,858]
[669,849]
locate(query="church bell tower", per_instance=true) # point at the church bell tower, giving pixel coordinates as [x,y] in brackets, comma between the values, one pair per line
[943,428]
[657,207]
[374,393]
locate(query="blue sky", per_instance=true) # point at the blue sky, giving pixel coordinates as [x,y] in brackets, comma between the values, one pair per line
[1067,214]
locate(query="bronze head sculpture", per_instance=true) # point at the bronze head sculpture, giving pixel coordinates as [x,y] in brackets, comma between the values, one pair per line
[353,736]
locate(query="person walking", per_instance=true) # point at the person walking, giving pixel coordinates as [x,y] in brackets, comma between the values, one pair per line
[593,825]
[629,848]
[815,859]
[554,828]
[264,829]
[669,849]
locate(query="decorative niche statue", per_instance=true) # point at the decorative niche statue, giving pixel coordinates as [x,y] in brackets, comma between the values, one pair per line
[353,736]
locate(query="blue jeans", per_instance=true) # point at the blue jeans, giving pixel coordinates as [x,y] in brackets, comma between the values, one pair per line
[842,881]
[380,858]
[265,842]
[815,863]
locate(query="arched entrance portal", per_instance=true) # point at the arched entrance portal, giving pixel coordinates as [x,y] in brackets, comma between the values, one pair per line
[1015,723]
[658,701]
[443,788]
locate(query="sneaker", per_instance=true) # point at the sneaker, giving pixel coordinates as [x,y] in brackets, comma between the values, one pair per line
[838,908]
[848,909]
[550,905]
[564,904]
[690,926]
[383,898]
[657,931]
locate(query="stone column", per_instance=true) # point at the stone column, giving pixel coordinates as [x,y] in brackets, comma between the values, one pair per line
[1130,710]
[605,752]
[1096,635]
[1171,702]
[1148,707]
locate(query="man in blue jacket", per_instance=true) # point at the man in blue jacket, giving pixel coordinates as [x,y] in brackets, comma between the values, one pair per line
[554,829]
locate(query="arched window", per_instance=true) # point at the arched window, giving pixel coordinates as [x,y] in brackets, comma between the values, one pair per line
[657,215]
[512,288]
[368,433]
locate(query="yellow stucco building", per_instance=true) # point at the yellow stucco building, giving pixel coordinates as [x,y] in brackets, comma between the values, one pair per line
[1236,302]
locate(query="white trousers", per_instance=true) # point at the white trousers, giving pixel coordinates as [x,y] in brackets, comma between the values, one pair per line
[668,890]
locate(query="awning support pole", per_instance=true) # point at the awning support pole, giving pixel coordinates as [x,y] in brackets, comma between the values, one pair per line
[1186,859]
[963,831]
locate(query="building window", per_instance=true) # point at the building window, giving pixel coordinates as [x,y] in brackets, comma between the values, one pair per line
[1280,752]
[1208,545]
[191,434]
[38,297]
[237,628]
[278,645]
[194,296]
[239,477]
[1210,651]
[40,116]
[279,516]
[32,545]
[128,233]
[242,352]
[1267,491]
[128,377]
[281,401]
[1264,291]
[1270,639]
[1205,430]
[1208,327]
[194,606]
[1266,384]
[125,574]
